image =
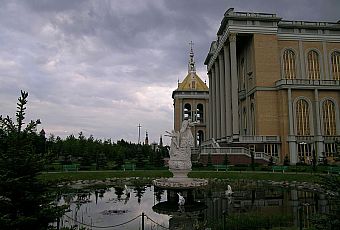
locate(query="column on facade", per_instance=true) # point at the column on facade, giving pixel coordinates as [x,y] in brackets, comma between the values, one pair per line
[325,62]
[206,119]
[234,85]
[222,95]
[302,61]
[319,143]
[209,121]
[175,112]
[218,100]
[181,115]
[317,112]
[213,98]
[291,137]
[290,112]
[228,115]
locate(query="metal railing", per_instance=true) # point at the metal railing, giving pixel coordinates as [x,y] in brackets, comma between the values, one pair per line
[250,14]
[307,23]
[235,151]
[254,139]
[304,138]
[307,82]
[331,138]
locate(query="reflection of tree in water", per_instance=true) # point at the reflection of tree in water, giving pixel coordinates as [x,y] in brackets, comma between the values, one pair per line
[158,193]
[68,198]
[139,190]
[119,192]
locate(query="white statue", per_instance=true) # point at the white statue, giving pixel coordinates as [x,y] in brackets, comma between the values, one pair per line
[186,138]
[174,143]
[181,199]
[126,190]
[180,148]
[229,192]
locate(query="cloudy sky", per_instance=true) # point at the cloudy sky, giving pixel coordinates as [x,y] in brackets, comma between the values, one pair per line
[103,67]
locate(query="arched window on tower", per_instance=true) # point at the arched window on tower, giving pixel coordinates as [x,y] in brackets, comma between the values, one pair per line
[187,111]
[329,124]
[302,118]
[200,137]
[335,58]
[199,113]
[289,66]
[313,65]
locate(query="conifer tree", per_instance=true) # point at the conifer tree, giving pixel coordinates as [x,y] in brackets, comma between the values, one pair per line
[25,202]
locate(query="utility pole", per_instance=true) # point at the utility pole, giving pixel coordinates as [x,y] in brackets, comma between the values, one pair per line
[139,126]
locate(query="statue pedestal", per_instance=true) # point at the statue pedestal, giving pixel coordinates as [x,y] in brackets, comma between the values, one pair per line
[180,183]
[179,175]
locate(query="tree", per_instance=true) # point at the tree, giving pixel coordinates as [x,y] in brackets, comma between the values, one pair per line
[159,157]
[286,160]
[209,163]
[25,202]
[226,159]
[271,161]
[139,154]
[252,162]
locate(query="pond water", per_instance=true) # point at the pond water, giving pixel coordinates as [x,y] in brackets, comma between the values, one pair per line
[254,205]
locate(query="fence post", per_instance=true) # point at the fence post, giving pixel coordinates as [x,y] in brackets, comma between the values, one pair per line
[142,220]
[58,223]
[224,220]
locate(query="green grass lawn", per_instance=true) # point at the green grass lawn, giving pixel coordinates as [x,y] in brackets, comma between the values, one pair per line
[101,175]
[301,177]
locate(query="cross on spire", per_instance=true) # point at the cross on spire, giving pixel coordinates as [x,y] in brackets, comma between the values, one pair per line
[191,64]
[191,45]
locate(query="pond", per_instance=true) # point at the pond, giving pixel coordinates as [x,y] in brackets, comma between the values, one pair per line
[251,206]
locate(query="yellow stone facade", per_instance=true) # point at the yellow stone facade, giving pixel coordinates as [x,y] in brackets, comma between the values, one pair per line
[281,79]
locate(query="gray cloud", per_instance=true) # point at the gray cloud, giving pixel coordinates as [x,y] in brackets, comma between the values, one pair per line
[102,67]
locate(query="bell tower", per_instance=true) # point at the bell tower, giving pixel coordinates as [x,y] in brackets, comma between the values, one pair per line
[191,99]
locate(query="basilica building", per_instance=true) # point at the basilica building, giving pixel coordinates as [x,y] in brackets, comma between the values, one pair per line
[274,89]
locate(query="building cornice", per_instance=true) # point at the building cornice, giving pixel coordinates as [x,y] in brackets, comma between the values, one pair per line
[289,84]
[178,93]
[309,25]
[309,37]
[191,96]
[252,23]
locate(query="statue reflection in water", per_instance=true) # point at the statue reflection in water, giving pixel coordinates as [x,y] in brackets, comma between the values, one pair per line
[185,212]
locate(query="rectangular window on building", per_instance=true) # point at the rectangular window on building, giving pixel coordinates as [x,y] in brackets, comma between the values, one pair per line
[271,149]
[330,149]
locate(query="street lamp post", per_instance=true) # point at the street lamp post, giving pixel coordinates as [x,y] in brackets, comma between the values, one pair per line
[303,144]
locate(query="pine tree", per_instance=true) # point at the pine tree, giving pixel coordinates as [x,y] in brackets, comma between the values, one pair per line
[25,202]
